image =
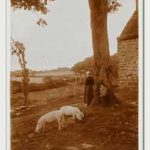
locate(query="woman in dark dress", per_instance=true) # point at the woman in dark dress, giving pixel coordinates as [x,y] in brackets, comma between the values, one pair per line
[88,95]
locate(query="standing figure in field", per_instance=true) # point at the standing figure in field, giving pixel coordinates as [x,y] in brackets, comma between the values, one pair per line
[88,94]
[25,82]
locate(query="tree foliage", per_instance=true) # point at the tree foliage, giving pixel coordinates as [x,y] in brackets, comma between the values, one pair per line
[83,66]
[113,5]
[88,65]
[36,5]
[18,48]
[41,5]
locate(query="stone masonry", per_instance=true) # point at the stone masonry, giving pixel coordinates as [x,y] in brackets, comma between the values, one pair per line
[128,63]
[128,55]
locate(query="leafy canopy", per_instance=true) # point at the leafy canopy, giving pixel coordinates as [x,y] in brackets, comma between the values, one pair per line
[41,5]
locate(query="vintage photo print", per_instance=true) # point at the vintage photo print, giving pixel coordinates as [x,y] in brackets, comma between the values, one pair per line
[75,69]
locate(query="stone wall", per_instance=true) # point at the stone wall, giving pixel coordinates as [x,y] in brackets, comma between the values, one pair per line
[128,63]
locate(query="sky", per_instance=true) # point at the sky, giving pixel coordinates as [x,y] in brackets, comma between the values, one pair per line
[66,39]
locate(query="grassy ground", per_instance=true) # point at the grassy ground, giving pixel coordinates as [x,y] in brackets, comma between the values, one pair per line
[110,128]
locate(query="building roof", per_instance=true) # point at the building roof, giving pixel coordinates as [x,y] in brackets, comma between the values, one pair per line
[131,29]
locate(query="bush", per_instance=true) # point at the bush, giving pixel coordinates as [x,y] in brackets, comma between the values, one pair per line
[48,83]
[54,83]
[15,86]
[37,87]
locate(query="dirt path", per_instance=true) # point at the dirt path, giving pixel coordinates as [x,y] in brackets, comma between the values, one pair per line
[103,128]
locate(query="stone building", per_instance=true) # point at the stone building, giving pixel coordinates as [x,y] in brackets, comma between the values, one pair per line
[128,55]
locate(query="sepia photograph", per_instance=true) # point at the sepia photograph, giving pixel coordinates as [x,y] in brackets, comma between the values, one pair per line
[74,74]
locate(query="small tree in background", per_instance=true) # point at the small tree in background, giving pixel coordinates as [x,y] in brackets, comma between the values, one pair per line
[19,49]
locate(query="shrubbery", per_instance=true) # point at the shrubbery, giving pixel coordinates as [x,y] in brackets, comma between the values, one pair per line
[54,83]
[15,86]
[48,83]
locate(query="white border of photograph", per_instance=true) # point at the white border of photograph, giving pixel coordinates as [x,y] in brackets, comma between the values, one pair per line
[5,129]
[3,75]
[147,75]
[140,67]
[8,75]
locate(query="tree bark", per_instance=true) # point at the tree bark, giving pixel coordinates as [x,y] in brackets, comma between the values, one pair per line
[98,9]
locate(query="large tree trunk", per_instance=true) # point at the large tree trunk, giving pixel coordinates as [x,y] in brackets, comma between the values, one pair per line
[99,12]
